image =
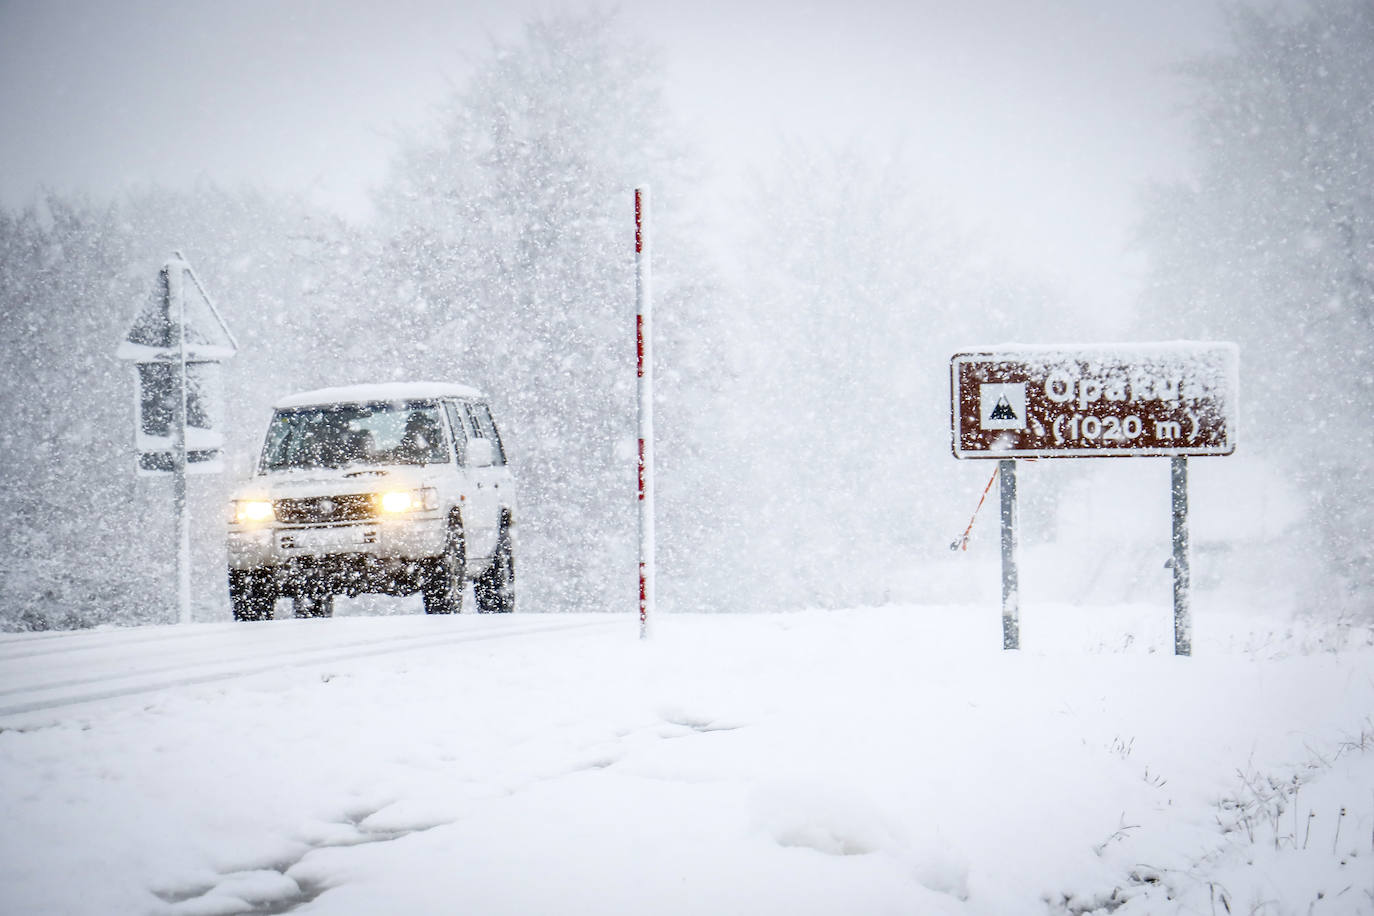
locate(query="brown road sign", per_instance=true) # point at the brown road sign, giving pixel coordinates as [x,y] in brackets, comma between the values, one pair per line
[1126,400]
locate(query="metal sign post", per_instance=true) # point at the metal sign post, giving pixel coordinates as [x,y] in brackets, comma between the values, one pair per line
[176,281]
[645,395]
[1011,614]
[176,340]
[1178,489]
[1169,400]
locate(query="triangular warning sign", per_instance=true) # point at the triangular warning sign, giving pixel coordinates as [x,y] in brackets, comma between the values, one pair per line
[1003,410]
[178,308]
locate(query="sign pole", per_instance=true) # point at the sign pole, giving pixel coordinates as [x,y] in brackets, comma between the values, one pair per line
[1011,622]
[645,395]
[179,458]
[1183,623]
[163,350]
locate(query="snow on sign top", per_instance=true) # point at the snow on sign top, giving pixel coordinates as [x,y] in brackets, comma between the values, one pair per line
[1126,400]
[177,308]
[384,391]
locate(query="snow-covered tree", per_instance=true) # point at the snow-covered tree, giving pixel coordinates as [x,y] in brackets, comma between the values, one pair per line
[1273,245]
[508,263]
[66,499]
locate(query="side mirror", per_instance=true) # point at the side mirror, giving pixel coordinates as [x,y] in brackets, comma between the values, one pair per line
[481,453]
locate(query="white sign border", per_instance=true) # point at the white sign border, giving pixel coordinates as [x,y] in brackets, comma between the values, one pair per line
[1014,353]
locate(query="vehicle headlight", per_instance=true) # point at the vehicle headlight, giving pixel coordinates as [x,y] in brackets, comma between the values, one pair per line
[253,511]
[410,500]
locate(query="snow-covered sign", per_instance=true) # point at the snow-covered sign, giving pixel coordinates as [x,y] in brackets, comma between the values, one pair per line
[177,325]
[1165,399]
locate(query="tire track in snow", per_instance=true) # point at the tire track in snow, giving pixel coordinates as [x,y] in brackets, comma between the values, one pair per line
[68,641]
[217,658]
[42,695]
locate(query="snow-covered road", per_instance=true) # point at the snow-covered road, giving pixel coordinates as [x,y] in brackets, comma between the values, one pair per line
[890,760]
[44,671]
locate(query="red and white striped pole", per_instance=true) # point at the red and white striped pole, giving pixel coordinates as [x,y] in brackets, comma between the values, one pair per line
[645,393]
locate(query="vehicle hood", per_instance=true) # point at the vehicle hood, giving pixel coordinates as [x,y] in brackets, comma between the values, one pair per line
[323,482]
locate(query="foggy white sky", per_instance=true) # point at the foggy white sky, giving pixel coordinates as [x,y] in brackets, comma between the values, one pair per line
[1036,121]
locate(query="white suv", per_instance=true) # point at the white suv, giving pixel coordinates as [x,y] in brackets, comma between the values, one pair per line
[393,488]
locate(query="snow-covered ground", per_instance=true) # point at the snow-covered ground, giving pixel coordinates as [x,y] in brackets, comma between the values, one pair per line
[888,760]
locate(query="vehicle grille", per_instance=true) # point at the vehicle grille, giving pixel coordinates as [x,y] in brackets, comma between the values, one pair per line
[350,508]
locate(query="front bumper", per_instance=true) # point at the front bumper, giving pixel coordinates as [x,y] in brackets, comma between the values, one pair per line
[378,541]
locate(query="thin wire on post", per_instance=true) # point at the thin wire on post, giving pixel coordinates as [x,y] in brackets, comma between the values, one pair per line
[961,542]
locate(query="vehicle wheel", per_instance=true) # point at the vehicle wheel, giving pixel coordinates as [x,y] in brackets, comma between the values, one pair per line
[443,585]
[313,605]
[251,594]
[495,588]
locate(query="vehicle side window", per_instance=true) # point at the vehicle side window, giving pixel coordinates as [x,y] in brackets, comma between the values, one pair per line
[422,440]
[484,428]
[460,433]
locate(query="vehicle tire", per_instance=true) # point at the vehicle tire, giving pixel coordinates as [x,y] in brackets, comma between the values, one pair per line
[313,605]
[443,582]
[495,588]
[252,594]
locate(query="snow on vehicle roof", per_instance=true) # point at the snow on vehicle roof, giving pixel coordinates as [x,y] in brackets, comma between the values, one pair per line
[383,391]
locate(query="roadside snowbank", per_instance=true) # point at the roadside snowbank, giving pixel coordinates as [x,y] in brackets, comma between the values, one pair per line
[866,761]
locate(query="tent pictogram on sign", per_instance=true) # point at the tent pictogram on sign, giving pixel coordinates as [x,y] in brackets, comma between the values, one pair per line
[1002,405]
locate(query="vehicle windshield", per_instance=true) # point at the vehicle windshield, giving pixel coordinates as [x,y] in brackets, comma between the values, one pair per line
[339,435]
